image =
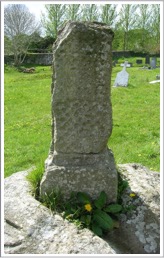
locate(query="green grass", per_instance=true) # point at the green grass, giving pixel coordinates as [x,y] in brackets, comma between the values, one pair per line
[27,118]
[135,136]
[136,121]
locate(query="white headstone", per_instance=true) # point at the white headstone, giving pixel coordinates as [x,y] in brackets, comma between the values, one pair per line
[128,65]
[122,77]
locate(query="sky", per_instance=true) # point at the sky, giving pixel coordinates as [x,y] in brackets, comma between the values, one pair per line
[36,8]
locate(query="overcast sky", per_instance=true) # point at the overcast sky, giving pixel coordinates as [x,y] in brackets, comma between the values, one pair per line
[36,8]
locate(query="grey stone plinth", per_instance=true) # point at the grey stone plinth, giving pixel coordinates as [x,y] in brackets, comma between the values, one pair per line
[90,173]
[81,112]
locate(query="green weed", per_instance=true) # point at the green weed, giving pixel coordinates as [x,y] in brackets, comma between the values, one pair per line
[80,209]
[34,177]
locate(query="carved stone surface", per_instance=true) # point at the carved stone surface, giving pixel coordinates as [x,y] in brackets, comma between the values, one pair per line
[81,106]
[81,112]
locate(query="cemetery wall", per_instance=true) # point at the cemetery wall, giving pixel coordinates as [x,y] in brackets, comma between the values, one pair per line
[46,58]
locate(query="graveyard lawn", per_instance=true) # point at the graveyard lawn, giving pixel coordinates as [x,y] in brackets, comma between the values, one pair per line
[136,119]
[27,125]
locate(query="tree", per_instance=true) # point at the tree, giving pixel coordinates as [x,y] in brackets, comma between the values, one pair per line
[155,26]
[73,12]
[19,25]
[54,19]
[108,14]
[90,12]
[127,21]
[41,44]
[143,24]
[8,46]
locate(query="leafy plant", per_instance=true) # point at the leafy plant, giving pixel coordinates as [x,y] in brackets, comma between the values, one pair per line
[96,215]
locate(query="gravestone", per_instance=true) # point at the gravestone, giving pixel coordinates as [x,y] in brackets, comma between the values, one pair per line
[79,159]
[147,59]
[153,62]
[122,77]
[127,65]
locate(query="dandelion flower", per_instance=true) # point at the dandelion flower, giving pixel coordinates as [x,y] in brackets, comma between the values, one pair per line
[88,207]
[132,195]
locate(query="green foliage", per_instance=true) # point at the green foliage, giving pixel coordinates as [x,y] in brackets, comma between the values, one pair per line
[103,220]
[34,177]
[41,44]
[54,18]
[96,215]
[83,198]
[113,208]
[53,200]
[101,201]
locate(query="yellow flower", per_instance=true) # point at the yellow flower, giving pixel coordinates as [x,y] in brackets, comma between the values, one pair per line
[88,207]
[132,195]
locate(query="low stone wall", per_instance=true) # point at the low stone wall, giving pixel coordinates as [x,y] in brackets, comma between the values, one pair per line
[40,59]
[46,58]
[35,58]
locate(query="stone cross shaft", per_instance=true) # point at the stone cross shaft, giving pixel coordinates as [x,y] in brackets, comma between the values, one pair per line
[79,159]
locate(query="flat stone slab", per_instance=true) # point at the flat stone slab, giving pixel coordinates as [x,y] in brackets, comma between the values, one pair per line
[156,81]
[139,230]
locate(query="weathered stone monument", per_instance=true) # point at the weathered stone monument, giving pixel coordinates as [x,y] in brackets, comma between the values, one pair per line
[122,77]
[79,159]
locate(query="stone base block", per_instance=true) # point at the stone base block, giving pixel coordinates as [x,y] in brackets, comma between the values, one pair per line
[90,173]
